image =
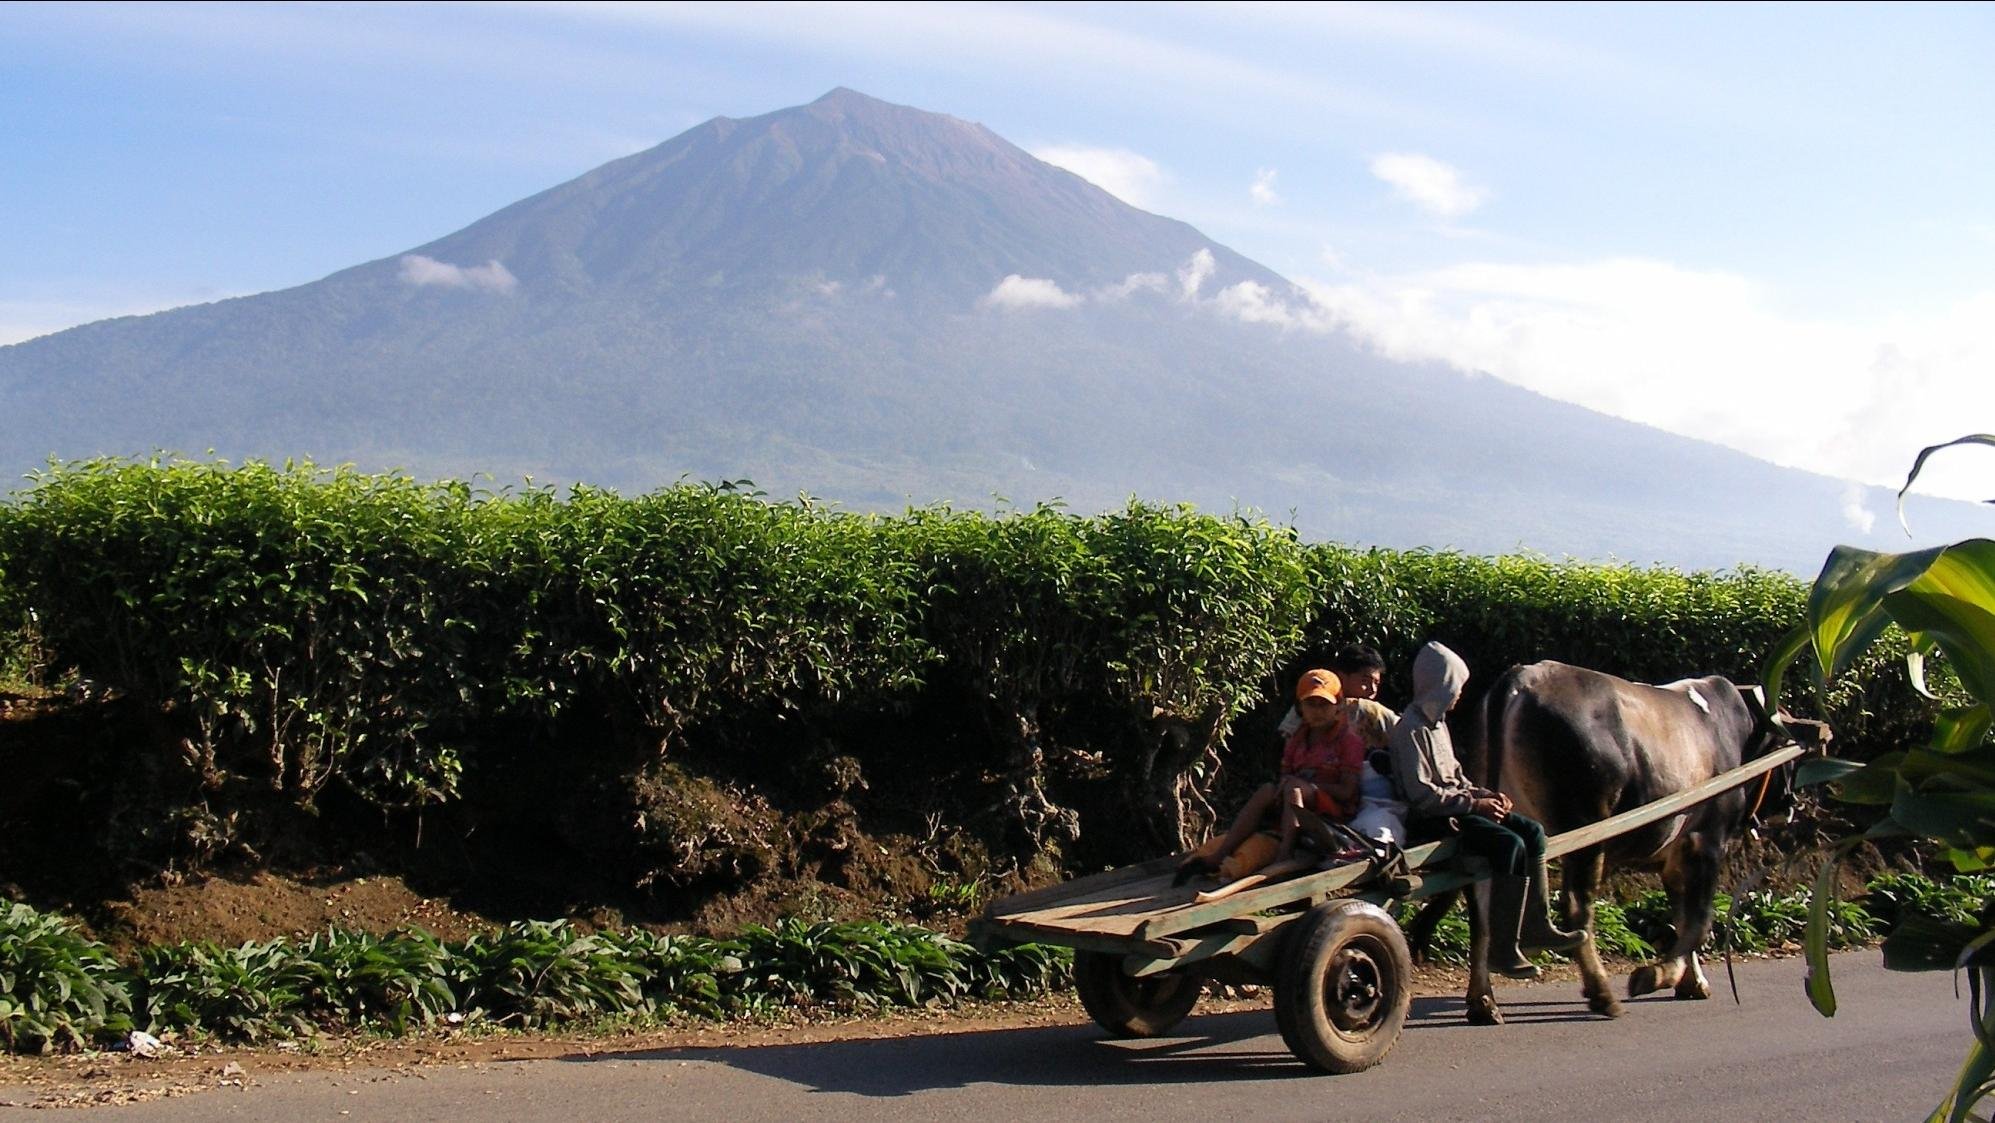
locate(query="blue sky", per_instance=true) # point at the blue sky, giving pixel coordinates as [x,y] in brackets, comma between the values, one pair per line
[1768,226]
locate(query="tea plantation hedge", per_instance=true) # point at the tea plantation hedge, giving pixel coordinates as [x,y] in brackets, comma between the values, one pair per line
[657,681]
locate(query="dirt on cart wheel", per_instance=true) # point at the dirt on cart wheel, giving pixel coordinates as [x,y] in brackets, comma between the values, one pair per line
[1344,987]
[1131,1007]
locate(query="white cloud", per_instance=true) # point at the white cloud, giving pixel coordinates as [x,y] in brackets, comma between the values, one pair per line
[1133,284]
[1263,189]
[424,271]
[1428,182]
[1129,176]
[1194,273]
[1030,292]
[1706,354]
[1856,512]
[1254,303]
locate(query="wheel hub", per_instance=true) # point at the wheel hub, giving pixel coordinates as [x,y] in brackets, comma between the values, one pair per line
[1354,985]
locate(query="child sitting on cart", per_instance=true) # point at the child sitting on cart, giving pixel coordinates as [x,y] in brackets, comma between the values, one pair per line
[1381,814]
[1485,824]
[1322,763]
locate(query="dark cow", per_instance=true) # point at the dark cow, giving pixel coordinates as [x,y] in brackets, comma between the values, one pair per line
[1572,746]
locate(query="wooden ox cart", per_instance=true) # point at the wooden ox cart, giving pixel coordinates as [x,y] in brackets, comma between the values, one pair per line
[1325,940]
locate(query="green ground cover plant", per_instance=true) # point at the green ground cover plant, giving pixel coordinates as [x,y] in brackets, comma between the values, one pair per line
[57,989]
[63,991]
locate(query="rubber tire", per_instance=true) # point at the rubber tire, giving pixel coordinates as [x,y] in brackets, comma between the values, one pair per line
[1343,988]
[1130,1007]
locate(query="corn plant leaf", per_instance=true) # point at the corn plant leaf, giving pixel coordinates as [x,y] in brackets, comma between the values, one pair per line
[1963,819]
[1821,992]
[1876,784]
[1824,770]
[1971,861]
[1919,465]
[1951,602]
[1775,673]
[1962,730]
[1968,1086]
[1925,943]
[1846,609]
[1915,667]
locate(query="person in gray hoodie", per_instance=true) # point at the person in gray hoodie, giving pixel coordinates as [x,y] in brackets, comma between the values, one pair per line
[1437,790]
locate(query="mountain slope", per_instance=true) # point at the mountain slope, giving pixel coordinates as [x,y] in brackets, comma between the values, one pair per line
[817,299]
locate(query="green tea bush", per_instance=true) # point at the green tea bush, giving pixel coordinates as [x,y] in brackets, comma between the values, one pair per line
[1647,625]
[58,989]
[1131,638]
[691,600]
[293,630]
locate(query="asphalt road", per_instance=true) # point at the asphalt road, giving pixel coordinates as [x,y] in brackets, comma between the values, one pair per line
[1886,1055]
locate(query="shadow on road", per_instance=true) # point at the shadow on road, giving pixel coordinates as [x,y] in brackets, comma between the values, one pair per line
[1241,1046]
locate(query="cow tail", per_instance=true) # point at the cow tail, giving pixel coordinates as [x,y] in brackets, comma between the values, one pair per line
[1485,756]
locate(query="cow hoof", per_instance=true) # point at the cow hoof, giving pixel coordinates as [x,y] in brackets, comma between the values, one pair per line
[1483,1012]
[1642,981]
[1693,989]
[1606,1005]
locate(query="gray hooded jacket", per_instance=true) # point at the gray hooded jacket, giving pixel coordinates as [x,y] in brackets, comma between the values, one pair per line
[1423,755]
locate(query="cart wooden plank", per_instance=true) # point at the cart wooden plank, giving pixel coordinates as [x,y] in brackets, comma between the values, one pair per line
[1081,886]
[1167,921]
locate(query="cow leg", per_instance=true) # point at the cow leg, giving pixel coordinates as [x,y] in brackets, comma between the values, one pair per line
[1420,930]
[1582,871]
[1695,913]
[1668,971]
[1690,877]
[1481,997]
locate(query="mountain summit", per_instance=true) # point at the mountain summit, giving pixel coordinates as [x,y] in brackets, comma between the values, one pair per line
[843,190]
[878,305]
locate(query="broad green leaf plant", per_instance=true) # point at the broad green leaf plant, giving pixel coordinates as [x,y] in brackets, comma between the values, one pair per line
[1943,599]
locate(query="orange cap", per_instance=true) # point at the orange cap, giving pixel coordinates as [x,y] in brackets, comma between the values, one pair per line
[1319,684]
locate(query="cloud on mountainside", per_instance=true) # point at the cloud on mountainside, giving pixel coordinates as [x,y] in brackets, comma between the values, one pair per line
[1129,176]
[1018,292]
[1030,292]
[1856,512]
[1429,183]
[425,271]
[1702,353]
[1263,189]
[1248,301]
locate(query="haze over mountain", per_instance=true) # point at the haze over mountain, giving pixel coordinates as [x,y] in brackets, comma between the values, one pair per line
[881,305]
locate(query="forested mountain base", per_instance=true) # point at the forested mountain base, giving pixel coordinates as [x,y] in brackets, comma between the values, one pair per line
[665,701]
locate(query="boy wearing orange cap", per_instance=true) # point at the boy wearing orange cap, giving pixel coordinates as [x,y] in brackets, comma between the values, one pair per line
[1322,762]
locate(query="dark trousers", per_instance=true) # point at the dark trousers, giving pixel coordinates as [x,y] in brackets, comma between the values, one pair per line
[1512,846]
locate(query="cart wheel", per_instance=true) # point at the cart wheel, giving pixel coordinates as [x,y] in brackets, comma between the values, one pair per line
[1341,994]
[1130,1007]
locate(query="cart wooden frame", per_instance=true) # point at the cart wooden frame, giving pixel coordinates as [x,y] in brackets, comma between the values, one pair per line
[1325,941]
